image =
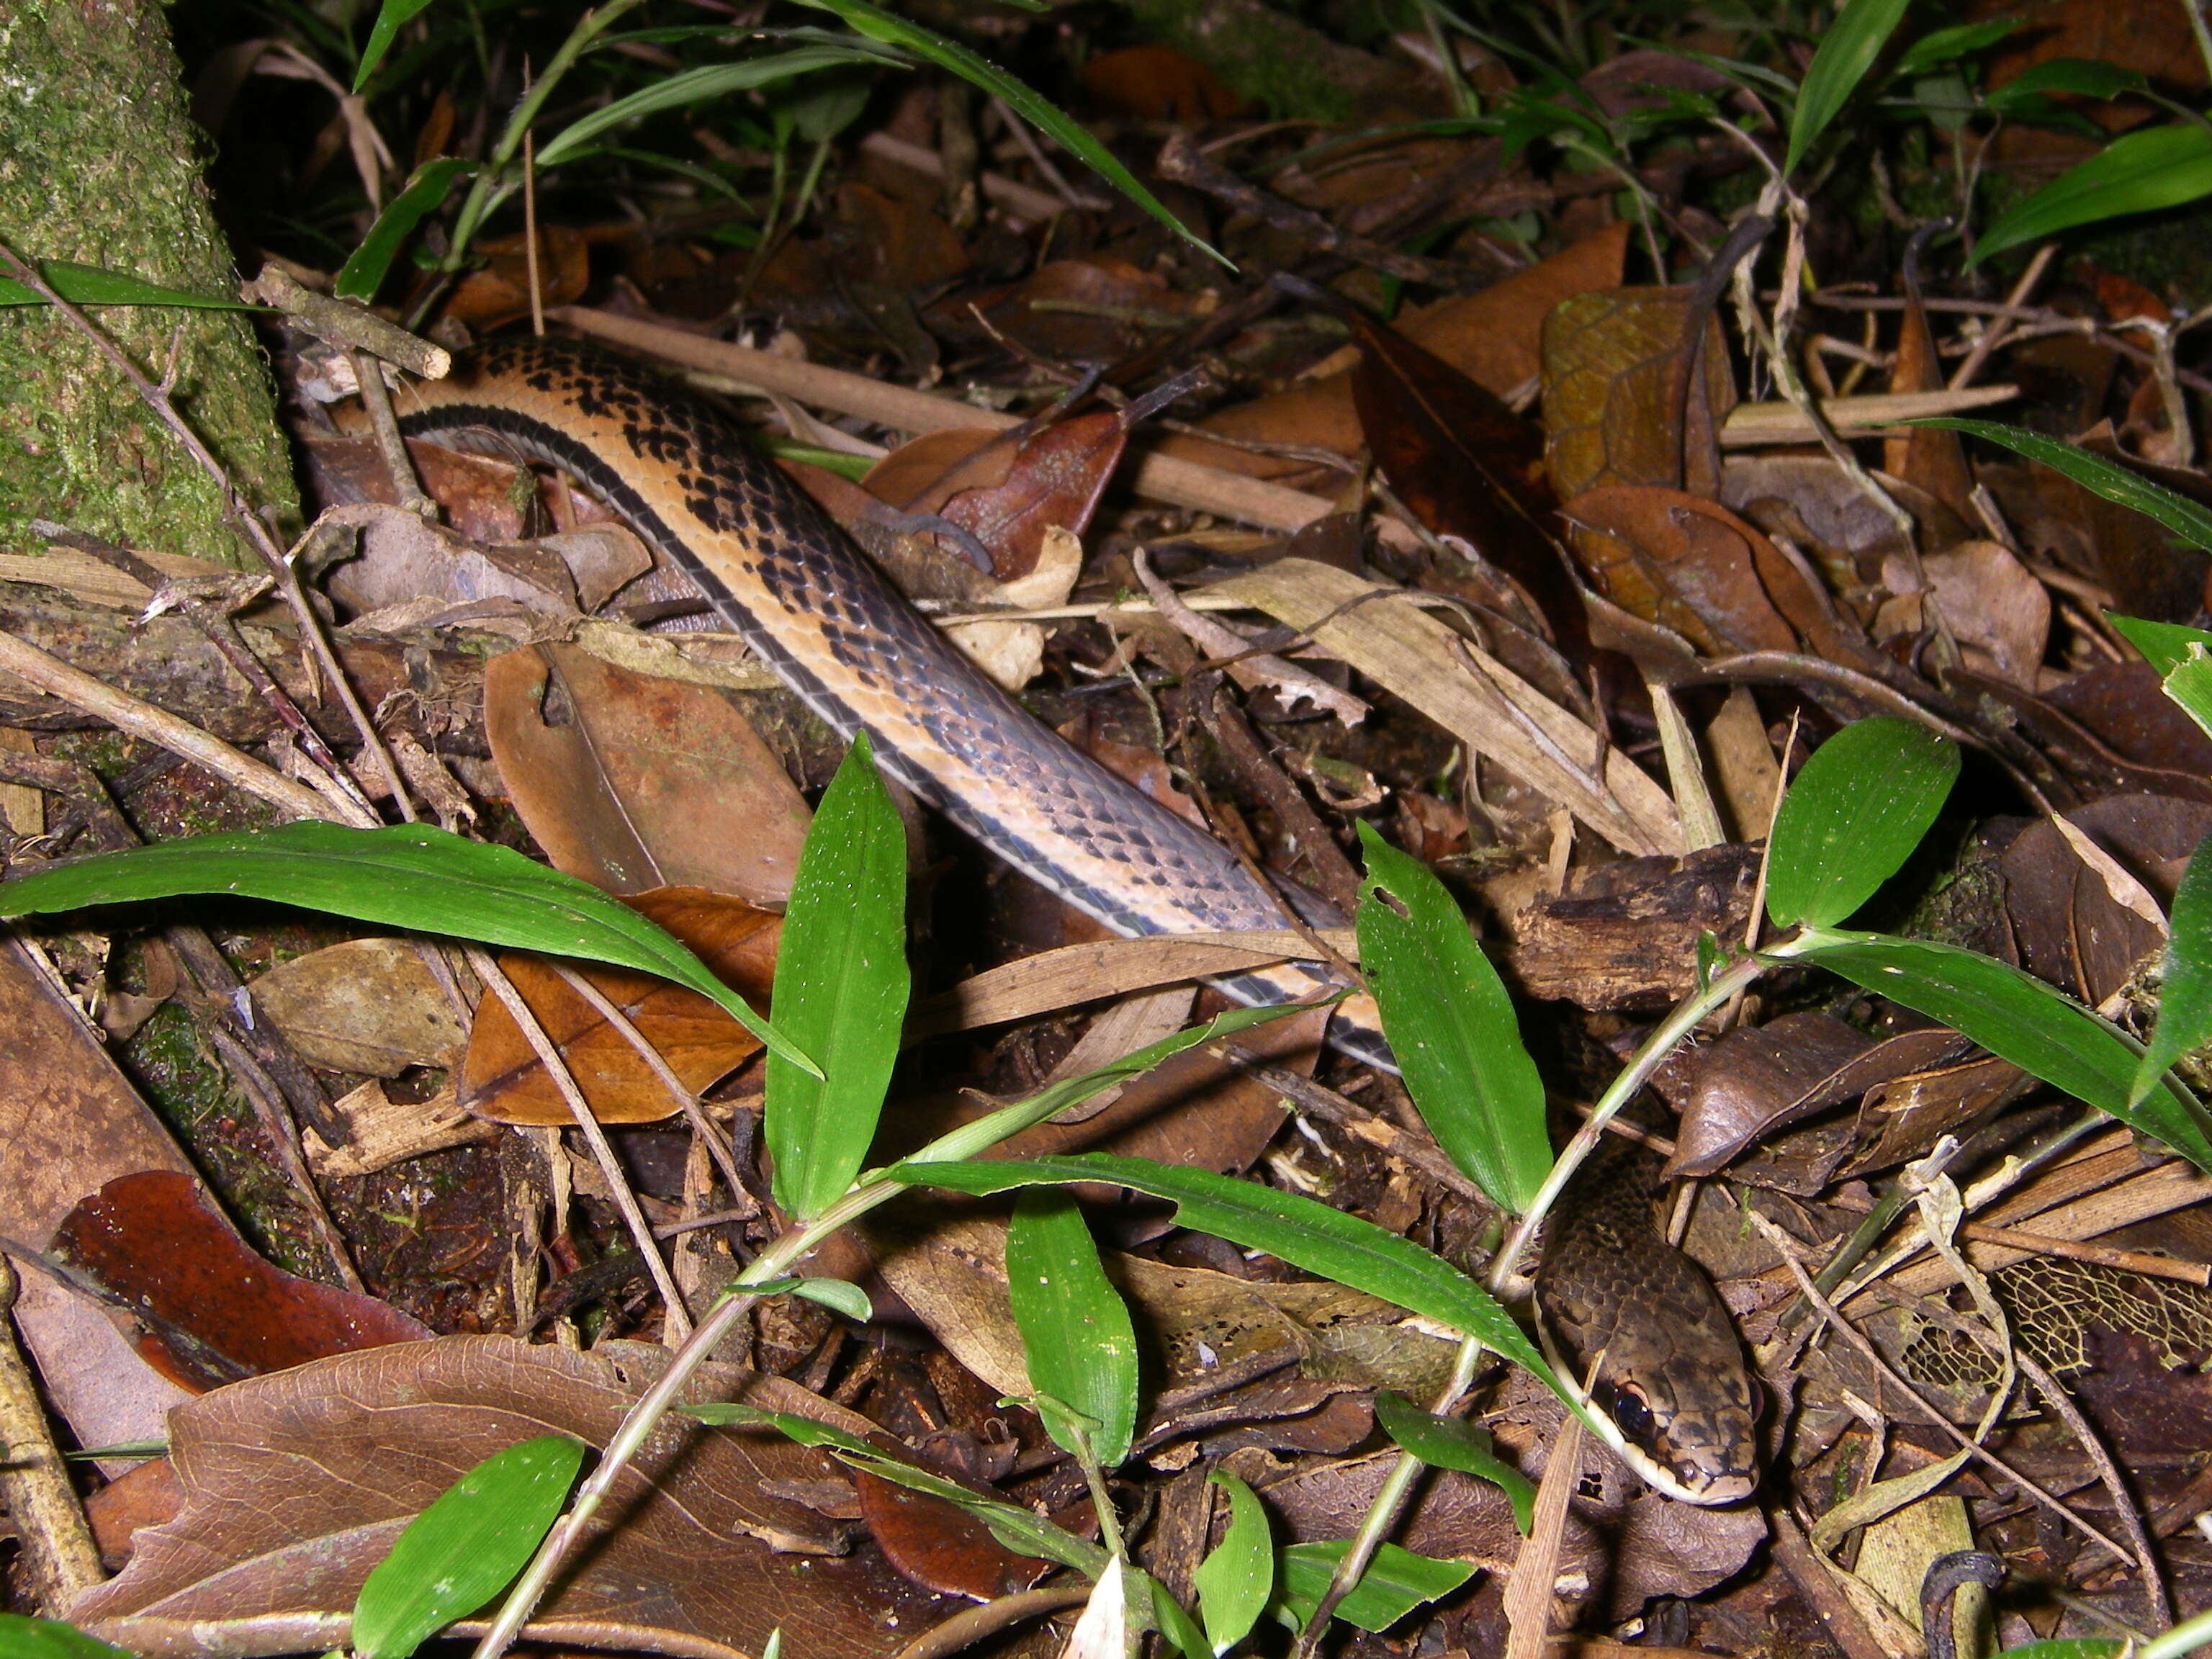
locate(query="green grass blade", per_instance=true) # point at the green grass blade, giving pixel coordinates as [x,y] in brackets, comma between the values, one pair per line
[1852,817]
[1846,52]
[392,17]
[466,1547]
[415,877]
[697,85]
[2115,483]
[426,191]
[1449,1443]
[1451,1025]
[1237,1579]
[2184,997]
[880,25]
[2162,166]
[90,285]
[1077,1340]
[1395,1583]
[841,985]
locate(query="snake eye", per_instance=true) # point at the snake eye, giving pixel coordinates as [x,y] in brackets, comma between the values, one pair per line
[1632,1414]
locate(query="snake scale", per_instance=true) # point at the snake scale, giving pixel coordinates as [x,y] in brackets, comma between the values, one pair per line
[786,579]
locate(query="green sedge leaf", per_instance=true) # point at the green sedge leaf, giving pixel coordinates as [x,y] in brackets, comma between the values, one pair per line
[2184,997]
[2080,77]
[838,1295]
[841,985]
[2189,684]
[2115,483]
[1941,46]
[2165,646]
[1300,1230]
[89,285]
[413,877]
[698,85]
[394,16]
[1846,52]
[1852,817]
[1237,1579]
[1077,1340]
[426,193]
[1451,1025]
[25,1637]
[2017,1018]
[1447,1443]
[2160,167]
[1395,1583]
[980,72]
[466,1547]
[1178,1627]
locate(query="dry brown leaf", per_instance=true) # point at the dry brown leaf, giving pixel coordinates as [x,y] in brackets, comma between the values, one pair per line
[369,1007]
[1375,628]
[633,782]
[296,1486]
[1613,385]
[1997,611]
[1680,561]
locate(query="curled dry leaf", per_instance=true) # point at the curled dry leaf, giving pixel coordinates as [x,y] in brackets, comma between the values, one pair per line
[632,781]
[296,1486]
[502,1079]
[215,1311]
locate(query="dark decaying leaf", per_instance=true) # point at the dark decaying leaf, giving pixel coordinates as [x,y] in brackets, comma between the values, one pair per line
[502,1079]
[1624,935]
[1928,457]
[939,1545]
[296,1485]
[1685,563]
[214,1310]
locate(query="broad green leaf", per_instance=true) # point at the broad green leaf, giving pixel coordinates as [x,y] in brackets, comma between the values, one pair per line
[1020,1529]
[838,1295]
[2115,483]
[1846,52]
[1451,1025]
[1235,1581]
[841,992]
[413,877]
[1449,1443]
[466,1547]
[2184,997]
[426,191]
[2189,684]
[2017,1018]
[1300,1230]
[89,285]
[394,16]
[2165,646]
[1941,46]
[696,86]
[2160,167]
[1048,118]
[1077,1338]
[22,1637]
[1178,1627]
[2081,77]
[1852,817]
[1395,1583]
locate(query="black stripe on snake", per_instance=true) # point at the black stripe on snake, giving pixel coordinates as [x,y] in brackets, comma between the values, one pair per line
[781,573]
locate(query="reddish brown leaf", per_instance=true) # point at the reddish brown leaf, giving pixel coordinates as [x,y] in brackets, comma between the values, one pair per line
[940,1546]
[1932,459]
[500,293]
[501,1079]
[1157,83]
[1682,561]
[216,1311]
[1613,386]
[296,1486]
[631,781]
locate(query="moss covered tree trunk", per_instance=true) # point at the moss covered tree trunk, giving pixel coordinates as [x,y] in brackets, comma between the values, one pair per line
[100,166]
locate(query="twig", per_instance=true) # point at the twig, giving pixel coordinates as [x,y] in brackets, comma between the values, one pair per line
[2124,1504]
[343,324]
[1994,335]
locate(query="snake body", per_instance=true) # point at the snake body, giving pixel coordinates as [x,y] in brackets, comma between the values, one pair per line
[786,579]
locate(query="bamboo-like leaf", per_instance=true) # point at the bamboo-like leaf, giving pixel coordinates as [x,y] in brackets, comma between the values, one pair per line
[1077,1340]
[2115,483]
[841,985]
[391,17]
[1940,46]
[90,285]
[1236,1580]
[413,877]
[697,85]
[426,189]
[1451,1025]
[1450,1443]
[2160,167]
[1852,817]
[2185,996]
[2165,646]
[1846,52]
[1395,1583]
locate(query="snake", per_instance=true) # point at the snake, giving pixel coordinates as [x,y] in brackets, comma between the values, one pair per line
[781,574]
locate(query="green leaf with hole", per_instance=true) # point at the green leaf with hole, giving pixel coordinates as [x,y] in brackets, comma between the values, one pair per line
[425,193]
[2185,996]
[1853,815]
[2141,171]
[1449,1443]
[2016,1016]
[394,16]
[2165,646]
[1048,117]
[695,86]
[1300,1230]
[841,985]
[1237,1579]
[89,285]
[466,1547]
[413,877]
[1846,52]
[24,1638]
[1395,1583]
[1077,1340]
[2115,483]
[1451,1025]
